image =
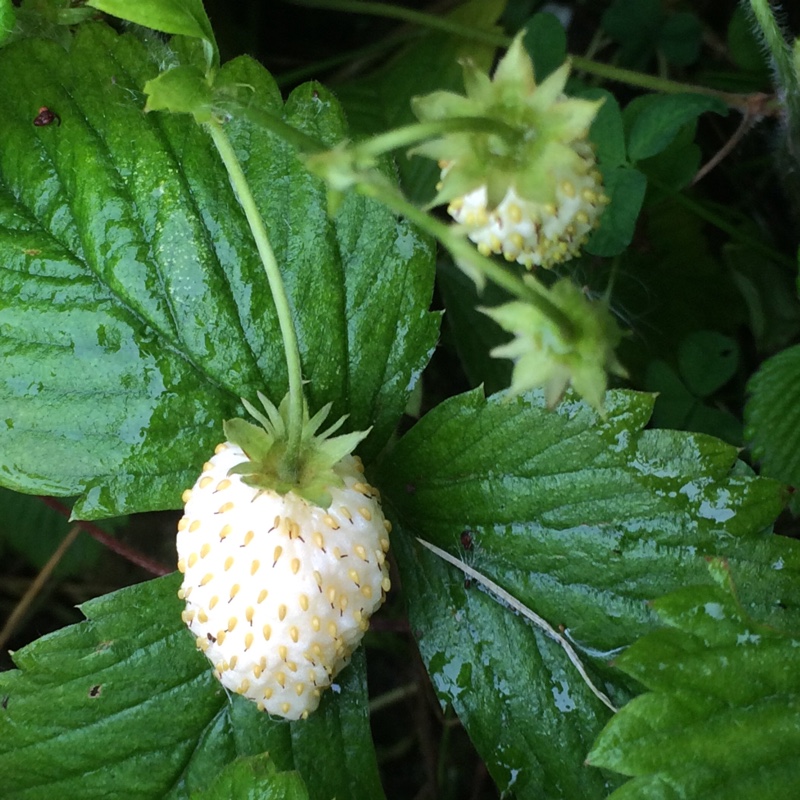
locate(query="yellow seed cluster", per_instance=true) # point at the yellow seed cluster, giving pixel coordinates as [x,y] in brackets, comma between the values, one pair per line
[534,233]
[276,583]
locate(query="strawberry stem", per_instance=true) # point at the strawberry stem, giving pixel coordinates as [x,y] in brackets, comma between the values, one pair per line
[277,287]
[473,33]
[782,55]
[422,131]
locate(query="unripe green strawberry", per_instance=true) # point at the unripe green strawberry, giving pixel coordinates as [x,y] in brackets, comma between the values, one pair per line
[279,590]
[521,175]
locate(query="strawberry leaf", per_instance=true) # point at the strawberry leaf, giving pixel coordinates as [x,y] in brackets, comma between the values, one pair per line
[254,778]
[654,120]
[134,311]
[582,520]
[7,19]
[122,705]
[770,425]
[722,718]
[185,17]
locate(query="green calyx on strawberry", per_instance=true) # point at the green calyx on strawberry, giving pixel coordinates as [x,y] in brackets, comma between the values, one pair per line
[281,573]
[544,356]
[268,466]
[531,189]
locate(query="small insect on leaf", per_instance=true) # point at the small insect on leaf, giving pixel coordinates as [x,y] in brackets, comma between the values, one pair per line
[95,690]
[466,540]
[46,116]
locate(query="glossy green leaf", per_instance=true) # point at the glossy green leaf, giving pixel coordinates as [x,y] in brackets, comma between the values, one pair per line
[582,520]
[625,188]
[122,705]
[722,717]
[184,17]
[134,311]
[546,43]
[771,416]
[8,18]
[656,119]
[254,778]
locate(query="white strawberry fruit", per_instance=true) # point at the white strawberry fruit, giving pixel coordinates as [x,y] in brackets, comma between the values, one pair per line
[523,179]
[281,573]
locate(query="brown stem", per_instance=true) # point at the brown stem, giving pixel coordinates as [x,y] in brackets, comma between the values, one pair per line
[37,585]
[754,112]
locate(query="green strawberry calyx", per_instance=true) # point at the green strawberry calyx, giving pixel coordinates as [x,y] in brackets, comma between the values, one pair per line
[541,354]
[310,472]
[547,143]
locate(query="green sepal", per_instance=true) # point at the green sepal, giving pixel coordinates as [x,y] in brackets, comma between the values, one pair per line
[544,356]
[538,128]
[254,440]
[442,105]
[514,71]
[270,466]
[180,90]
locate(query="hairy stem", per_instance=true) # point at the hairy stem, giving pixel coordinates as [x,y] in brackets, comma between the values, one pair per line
[127,552]
[780,51]
[276,285]
[271,122]
[421,131]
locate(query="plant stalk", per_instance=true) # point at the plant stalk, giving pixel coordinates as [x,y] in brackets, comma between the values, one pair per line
[779,50]
[303,142]
[26,601]
[421,131]
[113,544]
[610,72]
[276,285]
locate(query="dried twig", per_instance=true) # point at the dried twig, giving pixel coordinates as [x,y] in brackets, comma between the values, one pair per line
[538,621]
[25,602]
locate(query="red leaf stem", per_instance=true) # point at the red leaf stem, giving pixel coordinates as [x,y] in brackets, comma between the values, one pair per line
[116,546]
